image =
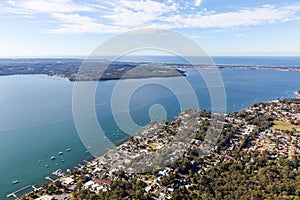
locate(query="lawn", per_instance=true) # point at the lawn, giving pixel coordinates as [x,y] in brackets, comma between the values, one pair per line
[154,145]
[283,125]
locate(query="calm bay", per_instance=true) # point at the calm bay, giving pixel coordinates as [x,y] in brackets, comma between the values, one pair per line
[36,120]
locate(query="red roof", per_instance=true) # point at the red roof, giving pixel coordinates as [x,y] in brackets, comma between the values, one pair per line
[103,181]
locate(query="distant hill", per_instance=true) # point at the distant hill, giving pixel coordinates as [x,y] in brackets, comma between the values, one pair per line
[93,69]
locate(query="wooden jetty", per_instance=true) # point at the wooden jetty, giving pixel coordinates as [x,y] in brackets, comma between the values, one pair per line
[14,194]
[49,179]
[35,188]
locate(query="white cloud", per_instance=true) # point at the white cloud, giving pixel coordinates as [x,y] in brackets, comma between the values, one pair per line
[116,16]
[73,18]
[11,2]
[75,23]
[91,27]
[245,17]
[198,2]
[17,11]
[135,13]
[50,6]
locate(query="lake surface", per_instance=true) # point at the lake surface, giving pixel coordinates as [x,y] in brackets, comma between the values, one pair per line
[36,120]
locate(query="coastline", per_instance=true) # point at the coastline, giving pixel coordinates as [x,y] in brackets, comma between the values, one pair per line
[86,164]
[70,69]
[245,71]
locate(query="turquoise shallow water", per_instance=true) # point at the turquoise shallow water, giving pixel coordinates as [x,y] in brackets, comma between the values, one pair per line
[36,119]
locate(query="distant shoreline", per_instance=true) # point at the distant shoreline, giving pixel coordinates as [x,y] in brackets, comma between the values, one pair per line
[96,70]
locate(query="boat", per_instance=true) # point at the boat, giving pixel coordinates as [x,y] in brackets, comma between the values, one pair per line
[46,166]
[60,153]
[15,181]
[53,158]
[57,172]
[68,149]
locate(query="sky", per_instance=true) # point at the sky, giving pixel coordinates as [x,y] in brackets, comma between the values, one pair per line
[64,28]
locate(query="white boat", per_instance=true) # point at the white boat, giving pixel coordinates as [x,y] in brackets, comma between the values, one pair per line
[58,172]
[53,158]
[68,149]
[15,181]
[60,153]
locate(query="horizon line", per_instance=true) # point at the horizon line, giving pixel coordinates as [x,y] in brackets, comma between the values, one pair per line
[84,56]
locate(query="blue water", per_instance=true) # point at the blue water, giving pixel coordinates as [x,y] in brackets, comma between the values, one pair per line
[36,118]
[287,61]
[284,61]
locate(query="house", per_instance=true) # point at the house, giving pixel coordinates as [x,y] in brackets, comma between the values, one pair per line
[45,197]
[67,181]
[89,184]
[103,181]
[148,188]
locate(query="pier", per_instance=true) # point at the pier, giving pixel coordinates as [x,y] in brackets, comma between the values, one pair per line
[35,188]
[49,179]
[14,194]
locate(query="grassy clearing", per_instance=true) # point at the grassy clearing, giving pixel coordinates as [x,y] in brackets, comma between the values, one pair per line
[154,145]
[283,125]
